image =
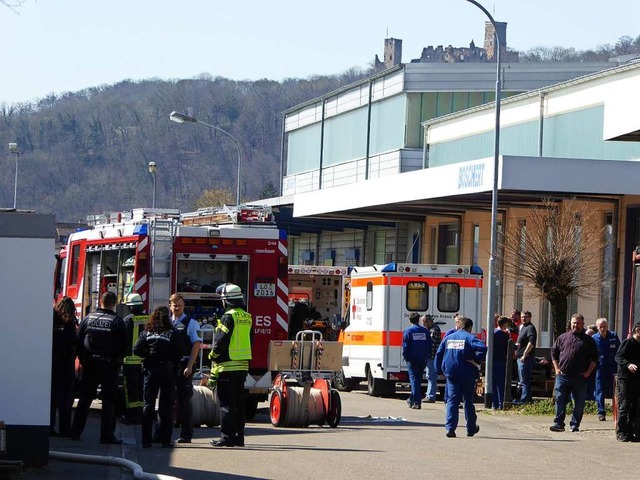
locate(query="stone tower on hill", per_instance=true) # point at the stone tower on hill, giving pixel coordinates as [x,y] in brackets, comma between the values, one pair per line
[450,54]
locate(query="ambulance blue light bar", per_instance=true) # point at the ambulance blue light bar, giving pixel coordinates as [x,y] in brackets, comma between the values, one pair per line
[389,267]
[476,270]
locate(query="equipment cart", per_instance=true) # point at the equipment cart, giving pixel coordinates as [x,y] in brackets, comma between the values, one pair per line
[301,392]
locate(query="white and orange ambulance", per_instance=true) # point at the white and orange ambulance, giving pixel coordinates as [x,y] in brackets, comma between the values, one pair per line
[382,298]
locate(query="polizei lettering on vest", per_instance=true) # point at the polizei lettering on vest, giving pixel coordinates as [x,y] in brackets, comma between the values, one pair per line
[470,175]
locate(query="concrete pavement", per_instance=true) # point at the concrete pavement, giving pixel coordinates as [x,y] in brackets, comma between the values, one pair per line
[377,437]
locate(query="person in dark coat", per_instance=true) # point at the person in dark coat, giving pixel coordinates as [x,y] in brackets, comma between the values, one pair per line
[159,347]
[501,340]
[628,390]
[574,355]
[63,359]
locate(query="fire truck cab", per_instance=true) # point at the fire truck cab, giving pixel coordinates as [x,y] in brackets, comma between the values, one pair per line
[382,298]
[157,252]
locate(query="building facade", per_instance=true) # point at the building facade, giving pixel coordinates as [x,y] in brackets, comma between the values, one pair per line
[356,155]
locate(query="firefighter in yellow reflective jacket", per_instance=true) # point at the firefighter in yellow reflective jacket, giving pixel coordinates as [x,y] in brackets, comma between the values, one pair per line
[231,354]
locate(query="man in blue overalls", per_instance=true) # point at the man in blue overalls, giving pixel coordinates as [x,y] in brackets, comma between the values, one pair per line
[607,343]
[416,349]
[458,358]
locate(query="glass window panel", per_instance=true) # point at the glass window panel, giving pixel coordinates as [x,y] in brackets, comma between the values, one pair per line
[476,245]
[417,296]
[448,297]
[75,260]
[369,297]
[345,137]
[303,153]
[388,118]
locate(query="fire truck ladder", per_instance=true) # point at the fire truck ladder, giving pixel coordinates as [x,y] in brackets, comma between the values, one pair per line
[161,235]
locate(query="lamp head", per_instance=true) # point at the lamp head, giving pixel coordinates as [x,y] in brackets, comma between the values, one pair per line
[178,117]
[153,168]
[13,147]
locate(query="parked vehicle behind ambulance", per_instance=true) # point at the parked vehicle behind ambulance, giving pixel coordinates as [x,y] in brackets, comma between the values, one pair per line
[317,298]
[382,298]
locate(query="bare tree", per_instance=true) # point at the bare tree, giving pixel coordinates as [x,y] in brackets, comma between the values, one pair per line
[625,45]
[215,198]
[558,254]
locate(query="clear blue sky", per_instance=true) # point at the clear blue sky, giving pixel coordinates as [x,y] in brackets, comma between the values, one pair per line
[67,45]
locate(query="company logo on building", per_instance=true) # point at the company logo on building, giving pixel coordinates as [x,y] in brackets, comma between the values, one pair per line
[470,176]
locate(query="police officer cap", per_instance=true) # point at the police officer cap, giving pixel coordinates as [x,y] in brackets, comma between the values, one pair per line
[229,291]
[134,299]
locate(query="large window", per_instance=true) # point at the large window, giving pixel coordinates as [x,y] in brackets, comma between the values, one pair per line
[520,259]
[448,297]
[446,247]
[607,269]
[380,247]
[75,260]
[303,152]
[417,296]
[388,119]
[476,245]
[345,137]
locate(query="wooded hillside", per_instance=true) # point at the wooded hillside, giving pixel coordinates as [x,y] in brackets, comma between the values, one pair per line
[88,152]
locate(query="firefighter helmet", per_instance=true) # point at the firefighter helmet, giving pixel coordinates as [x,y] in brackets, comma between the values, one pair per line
[134,299]
[229,291]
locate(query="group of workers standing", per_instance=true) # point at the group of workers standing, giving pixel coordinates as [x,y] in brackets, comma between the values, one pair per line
[169,346]
[576,355]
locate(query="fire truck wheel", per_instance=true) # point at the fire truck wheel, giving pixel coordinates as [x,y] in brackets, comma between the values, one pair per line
[335,411]
[343,384]
[277,408]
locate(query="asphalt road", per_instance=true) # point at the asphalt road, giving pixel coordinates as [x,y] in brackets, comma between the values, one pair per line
[383,438]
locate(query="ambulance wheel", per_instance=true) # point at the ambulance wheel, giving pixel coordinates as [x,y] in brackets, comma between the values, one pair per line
[335,411]
[277,408]
[343,384]
[376,387]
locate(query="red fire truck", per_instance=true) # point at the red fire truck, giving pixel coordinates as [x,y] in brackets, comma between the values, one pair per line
[157,252]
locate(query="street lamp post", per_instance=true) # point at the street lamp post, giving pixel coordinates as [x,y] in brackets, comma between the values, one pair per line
[491,291]
[182,118]
[153,169]
[13,148]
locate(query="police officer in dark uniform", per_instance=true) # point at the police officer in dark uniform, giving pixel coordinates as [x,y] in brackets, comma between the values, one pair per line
[101,345]
[231,354]
[191,340]
[159,346]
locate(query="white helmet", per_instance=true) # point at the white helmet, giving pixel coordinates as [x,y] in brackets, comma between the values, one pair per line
[229,291]
[133,299]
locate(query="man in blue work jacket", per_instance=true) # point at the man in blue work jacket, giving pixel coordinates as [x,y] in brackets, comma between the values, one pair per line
[416,350]
[607,343]
[458,358]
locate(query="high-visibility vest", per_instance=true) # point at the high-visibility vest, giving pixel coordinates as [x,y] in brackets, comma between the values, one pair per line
[239,343]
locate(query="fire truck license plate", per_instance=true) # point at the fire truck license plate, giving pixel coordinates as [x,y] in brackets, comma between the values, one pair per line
[264,290]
